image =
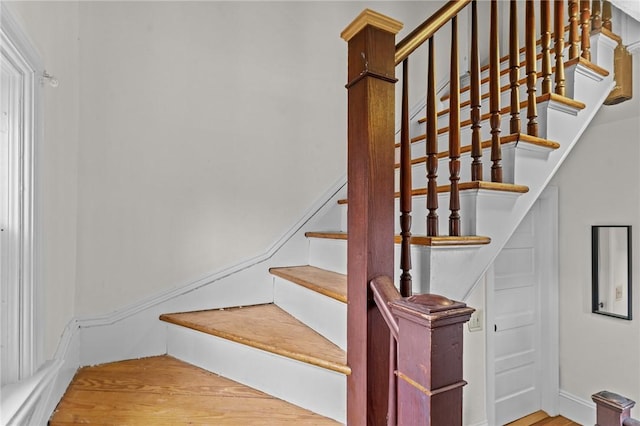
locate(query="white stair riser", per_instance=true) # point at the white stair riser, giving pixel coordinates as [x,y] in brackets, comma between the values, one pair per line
[328,254]
[475,207]
[505,100]
[418,149]
[428,264]
[515,158]
[505,78]
[419,170]
[319,390]
[324,314]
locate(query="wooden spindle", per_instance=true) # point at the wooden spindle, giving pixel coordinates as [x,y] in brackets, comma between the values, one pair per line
[585,22]
[405,187]
[432,145]
[574,37]
[559,46]
[606,15]
[514,68]
[545,45]
[494,95]
[530,47]
[476,145]
[454,133]
[596,16]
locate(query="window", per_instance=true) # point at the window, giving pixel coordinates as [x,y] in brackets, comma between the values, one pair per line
[19,127]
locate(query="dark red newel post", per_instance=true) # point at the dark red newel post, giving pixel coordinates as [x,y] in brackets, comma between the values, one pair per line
[371,127]
[611,409]
[430,359]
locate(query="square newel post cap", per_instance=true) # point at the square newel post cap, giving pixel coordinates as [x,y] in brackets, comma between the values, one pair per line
[370,17]
[613,401]
[431,310]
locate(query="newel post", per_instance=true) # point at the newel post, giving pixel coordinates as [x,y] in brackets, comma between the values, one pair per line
[430,359]
[611,409]
[371,125]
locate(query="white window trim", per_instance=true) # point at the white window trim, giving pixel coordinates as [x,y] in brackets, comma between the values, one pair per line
[16,45]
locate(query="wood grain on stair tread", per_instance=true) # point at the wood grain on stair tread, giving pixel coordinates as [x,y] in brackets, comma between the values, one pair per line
[593,67]
[325,282]
[540,418]
[420,240]
[540,99]
[514,137]
[464,186]
[165,391]
[269,328]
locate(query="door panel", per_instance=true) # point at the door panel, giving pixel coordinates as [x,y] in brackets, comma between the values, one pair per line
[516,360]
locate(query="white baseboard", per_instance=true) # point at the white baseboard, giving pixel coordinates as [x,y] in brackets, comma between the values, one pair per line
[485,423]
[576,409]
[33,400]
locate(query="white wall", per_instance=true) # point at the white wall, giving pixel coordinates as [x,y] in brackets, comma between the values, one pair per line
[207,129]
[53,30]
[598,185]
[184,137]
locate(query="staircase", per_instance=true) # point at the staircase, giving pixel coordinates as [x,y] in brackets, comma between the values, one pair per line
[295,347]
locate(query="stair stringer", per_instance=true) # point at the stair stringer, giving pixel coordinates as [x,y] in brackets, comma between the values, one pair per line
[454,273]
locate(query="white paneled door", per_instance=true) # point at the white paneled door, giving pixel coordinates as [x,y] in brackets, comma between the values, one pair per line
[516,324]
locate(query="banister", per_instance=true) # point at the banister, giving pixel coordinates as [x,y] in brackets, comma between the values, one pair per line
[428,28]
[385,292]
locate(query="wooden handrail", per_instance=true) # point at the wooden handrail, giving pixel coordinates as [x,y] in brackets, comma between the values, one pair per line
[428,28]
[384,292]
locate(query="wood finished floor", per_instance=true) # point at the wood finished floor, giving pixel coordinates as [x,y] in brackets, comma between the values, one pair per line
[540,418]
[165,391]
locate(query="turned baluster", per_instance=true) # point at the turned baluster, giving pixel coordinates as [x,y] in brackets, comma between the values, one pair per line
[476,148]
[530,47]
[405,187]
[585,21]
[432,145]
[596,16]
[454,134]
[559,46]
[494,95]
[574,38]
[606,15]
[545,45]
[514,68]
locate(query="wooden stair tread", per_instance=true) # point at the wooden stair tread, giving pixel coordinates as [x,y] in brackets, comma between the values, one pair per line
[514,137]
[465,186]
[593,67]
[162,390]
[269,328]
[540,418]
[540,99]
[328,283]
[419,240]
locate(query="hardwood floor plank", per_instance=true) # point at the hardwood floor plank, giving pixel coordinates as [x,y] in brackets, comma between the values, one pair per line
[165,391]
[540,418]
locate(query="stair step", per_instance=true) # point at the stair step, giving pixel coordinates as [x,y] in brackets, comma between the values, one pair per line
[420,240]
[163,390]
[478,184]
[325,282]
[269,328]
[514,137]
[540,99]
